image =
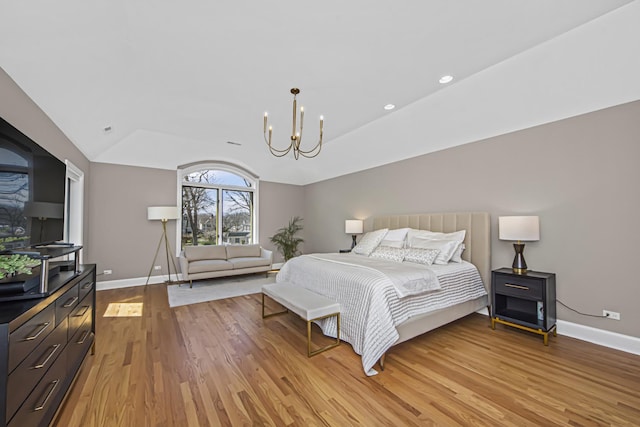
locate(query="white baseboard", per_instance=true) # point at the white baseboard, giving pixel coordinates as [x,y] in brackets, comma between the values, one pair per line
[609,339]
[599,336]
[128,283]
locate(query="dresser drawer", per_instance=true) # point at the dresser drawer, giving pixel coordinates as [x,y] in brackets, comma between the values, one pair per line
[521,286]
[79,343]
[41,404]
[86,286]
[22,380]
[66,303]
[78,314]
[23,340]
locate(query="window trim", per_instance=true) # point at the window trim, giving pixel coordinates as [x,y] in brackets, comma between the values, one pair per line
[226,167]
[74,206]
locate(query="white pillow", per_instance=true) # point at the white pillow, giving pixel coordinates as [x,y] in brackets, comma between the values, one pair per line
[421,255]
[457,254]
[395,238]
[446,248]
[369,242]
[435,235]
[388,253]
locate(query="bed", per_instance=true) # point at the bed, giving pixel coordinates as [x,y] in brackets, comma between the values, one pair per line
[376,312]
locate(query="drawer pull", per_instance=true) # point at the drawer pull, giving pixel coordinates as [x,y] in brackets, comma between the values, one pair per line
[524,288]
[85,307]
[42,364]
[52,387]
[83,338]
[37,334]
[70,302]
[87,285]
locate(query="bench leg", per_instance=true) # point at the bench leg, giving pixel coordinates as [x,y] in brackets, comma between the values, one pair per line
[264,316]
[327,347]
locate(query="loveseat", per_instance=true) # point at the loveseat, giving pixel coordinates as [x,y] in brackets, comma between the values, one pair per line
[205,262]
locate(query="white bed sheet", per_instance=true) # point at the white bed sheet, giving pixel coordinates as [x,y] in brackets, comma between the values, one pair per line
[371,307]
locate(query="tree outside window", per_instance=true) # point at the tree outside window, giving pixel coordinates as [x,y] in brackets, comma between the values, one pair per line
[217,208]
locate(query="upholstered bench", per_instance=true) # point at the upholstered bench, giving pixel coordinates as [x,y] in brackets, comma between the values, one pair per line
[306,304]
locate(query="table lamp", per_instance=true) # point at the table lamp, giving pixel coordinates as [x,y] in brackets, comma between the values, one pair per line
[519,229]
[353,227]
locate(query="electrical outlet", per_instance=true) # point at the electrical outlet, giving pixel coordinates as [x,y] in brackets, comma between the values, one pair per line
[611,314]
[105,272]
[157,267]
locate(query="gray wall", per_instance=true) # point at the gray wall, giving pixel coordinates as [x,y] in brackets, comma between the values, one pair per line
[278,204]
[580,175]
[125,241]
[24,114]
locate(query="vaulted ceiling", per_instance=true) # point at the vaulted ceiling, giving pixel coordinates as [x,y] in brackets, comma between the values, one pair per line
[175,82]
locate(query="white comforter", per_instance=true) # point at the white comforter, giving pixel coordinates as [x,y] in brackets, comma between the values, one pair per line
[373,297]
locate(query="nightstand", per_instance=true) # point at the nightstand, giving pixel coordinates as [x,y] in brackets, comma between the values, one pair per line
[524,301]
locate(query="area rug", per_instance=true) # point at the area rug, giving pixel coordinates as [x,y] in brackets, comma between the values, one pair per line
[215,289]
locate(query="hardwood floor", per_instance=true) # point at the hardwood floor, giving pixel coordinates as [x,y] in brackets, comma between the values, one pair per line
[219,363]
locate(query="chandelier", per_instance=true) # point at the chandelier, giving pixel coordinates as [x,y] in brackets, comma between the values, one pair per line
[296,136]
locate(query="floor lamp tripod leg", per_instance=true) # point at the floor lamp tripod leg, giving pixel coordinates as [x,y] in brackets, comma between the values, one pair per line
[167,248]
[155,257]
[170,257]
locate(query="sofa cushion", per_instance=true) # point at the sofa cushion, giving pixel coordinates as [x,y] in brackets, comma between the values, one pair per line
[241,251]
[194,253]
[248,262]
[206,265]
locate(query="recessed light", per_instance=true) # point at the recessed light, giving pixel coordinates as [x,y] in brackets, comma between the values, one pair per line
[445,79]
[389,107]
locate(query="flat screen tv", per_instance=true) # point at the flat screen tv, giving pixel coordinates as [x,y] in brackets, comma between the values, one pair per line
[32,192]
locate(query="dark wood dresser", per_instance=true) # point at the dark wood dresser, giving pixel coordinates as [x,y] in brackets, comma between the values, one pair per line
[43,343]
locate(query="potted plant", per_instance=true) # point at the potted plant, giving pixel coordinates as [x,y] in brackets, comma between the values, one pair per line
[12,264]
[286,240]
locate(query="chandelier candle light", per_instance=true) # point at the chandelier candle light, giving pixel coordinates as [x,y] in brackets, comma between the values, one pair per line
[296,136]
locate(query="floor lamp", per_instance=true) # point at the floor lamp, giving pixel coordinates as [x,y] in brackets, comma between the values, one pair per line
[164,214]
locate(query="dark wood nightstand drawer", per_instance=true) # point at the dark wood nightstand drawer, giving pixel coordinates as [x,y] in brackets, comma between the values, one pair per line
[24,339]
[30,371]
[521,287]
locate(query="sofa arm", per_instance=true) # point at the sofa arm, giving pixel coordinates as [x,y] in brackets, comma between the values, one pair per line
[184,265]
[265,253]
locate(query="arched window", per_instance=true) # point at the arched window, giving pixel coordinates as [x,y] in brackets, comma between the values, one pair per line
[219,205]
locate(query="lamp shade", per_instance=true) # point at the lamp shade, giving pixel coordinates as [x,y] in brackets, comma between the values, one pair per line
[162,213]
[44,210]
[353,226]
[519,228]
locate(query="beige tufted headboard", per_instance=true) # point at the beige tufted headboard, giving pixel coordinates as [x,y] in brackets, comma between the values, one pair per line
[477,240]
